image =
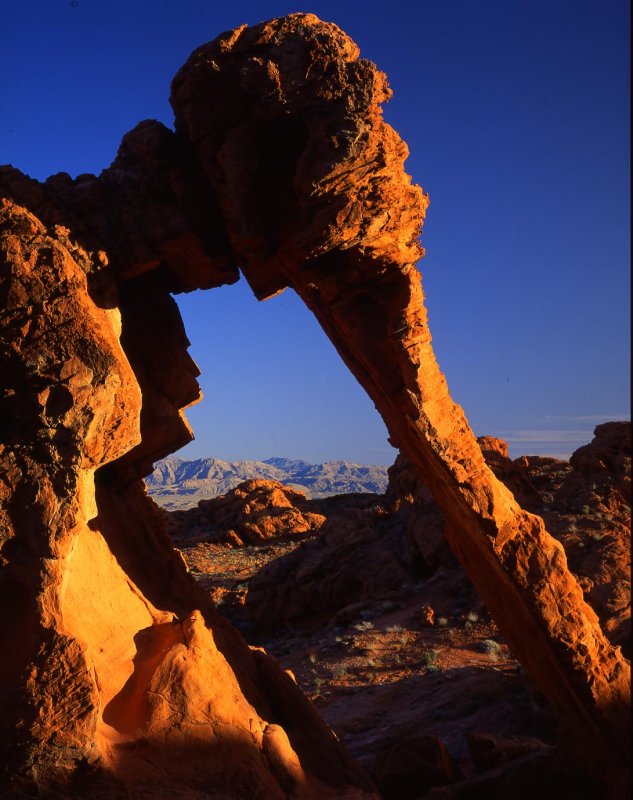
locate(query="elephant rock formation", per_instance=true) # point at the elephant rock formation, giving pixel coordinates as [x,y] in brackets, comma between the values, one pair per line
[117,671]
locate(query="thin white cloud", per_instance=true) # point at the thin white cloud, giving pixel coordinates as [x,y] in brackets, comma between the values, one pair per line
[589,418]
[531,436]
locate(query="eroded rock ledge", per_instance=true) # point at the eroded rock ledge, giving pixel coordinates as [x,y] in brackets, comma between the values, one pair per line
[117,670]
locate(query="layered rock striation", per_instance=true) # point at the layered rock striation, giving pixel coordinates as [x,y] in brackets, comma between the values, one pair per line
[119,675]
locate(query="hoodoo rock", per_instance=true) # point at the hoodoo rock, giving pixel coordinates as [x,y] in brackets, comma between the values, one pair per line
[118,676]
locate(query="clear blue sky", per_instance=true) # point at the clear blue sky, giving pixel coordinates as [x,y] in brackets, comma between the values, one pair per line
[516,113]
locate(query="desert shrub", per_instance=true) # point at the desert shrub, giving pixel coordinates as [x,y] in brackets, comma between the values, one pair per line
[490,648]
[338,673]
[366,625]
[442,621]
[429,657]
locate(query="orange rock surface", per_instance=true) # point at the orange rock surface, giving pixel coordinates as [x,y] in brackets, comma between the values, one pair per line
[117,670]
[254,511]
[357,638]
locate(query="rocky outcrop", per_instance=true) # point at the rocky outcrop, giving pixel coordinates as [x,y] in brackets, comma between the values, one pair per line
[254,511]
[495,452]
[151,210]
[590,514]
[403,532]
[281,162]
[602,472]
[363,551]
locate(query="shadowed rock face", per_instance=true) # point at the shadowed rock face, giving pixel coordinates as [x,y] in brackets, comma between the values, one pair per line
[117,668]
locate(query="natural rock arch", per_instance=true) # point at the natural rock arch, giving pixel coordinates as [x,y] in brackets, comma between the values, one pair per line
[118,667]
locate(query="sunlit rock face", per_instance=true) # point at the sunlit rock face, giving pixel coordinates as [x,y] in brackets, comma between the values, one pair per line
[117,671]
[116,668]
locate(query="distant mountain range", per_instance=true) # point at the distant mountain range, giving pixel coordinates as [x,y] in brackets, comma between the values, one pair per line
[178,484]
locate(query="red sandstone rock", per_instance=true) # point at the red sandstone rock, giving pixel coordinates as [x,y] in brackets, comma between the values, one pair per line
[488,751]
[495,452]
[427,615]
[602,471]
[408,769]
[404,533]
[586,504]
[118,672]
[254,511]
[150,208]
